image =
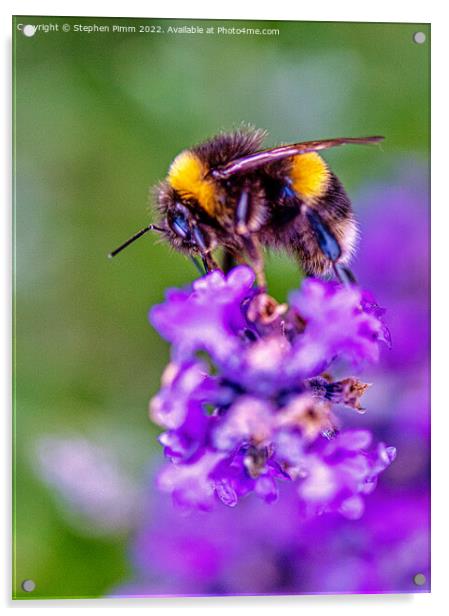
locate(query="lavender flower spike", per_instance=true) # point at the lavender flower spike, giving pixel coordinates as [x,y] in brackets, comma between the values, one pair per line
[260,410]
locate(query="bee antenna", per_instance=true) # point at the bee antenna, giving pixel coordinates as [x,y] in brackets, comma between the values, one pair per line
[134,238]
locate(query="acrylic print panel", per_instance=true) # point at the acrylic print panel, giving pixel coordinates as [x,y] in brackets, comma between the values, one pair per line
[278,334]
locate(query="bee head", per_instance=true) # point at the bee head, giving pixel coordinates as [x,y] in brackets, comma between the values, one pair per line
[181,222]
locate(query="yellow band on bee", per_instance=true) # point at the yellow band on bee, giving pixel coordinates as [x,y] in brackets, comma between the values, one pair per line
[309,175]
[187,176]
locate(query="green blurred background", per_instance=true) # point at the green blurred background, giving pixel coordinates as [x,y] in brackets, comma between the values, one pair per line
[98,118]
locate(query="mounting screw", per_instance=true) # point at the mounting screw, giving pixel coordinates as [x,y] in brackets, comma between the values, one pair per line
[28,585]
[419,579]
[419,37]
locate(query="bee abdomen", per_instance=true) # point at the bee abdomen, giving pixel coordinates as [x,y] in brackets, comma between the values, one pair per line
[335,211]
[291,225]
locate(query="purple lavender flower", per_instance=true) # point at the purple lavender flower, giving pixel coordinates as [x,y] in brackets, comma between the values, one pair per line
[245,403]
[280,549]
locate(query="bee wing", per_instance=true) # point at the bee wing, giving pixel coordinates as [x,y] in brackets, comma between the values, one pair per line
[258,159]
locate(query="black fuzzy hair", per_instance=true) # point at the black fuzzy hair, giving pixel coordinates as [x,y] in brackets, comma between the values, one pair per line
[225,147]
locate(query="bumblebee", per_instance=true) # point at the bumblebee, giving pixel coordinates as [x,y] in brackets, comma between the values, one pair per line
[228,192]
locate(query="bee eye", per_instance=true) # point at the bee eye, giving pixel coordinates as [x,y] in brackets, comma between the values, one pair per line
[180,226]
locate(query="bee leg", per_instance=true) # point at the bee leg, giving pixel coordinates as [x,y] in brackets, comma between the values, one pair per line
[207,269]
[330,247]
[344,274]
[253,249]
[204,250]
[209,262]
[197,264]
[325,238]
[250,240]
[242,214]
[228,261]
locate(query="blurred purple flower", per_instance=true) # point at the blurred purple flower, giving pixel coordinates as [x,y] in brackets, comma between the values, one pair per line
[244,402]
[393,262]
[245,551]
[96,494]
